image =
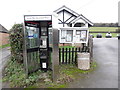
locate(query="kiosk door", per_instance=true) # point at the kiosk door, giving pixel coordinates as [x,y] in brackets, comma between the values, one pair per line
[44,45]
[32,46]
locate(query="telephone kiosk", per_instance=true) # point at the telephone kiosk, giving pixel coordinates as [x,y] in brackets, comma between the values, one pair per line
[36,37]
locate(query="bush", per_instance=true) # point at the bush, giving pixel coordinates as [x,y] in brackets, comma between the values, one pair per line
[16,42]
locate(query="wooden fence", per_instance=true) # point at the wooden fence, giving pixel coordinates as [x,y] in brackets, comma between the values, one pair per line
[69,55]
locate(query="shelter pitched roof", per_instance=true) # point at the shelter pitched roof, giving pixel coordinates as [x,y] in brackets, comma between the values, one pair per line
[67,9]
[84,18]
[78,16]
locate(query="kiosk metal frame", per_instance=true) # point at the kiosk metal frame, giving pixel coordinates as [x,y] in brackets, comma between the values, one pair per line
[36,42]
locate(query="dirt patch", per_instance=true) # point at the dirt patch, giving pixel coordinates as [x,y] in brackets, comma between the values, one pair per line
[5,85]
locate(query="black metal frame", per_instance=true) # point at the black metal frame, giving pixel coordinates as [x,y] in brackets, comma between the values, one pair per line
[46,60]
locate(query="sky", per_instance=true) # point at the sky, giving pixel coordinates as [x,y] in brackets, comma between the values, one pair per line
[13,11]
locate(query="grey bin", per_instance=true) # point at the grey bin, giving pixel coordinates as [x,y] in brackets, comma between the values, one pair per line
[83,60]
[99,35]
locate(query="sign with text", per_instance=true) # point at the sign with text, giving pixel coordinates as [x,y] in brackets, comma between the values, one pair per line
[38,18]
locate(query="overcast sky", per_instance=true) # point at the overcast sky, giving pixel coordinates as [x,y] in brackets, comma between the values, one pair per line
[12,11]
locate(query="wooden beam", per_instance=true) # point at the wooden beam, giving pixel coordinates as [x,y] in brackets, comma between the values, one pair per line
[55,56]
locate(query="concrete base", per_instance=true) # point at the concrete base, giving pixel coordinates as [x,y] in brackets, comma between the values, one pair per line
[83,61]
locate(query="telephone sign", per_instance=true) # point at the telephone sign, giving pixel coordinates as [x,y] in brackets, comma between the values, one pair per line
[38,18]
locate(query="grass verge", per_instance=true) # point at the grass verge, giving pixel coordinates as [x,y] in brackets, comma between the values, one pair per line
[4,46]
[15,75]
[106,29]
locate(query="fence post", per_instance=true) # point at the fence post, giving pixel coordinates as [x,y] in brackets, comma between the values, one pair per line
[69,55]
[66,56]
[59,55]
[72,54]
[62,55]
[75,55]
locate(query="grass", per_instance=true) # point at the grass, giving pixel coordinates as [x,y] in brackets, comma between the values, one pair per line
[15,75]
[104,34]
[103,29]
[4,46]
[72,70]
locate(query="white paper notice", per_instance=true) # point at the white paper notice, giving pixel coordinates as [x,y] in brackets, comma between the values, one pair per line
[44,65]
[77,38]
[83,34]
[44,42]
[30,34]
[69,37]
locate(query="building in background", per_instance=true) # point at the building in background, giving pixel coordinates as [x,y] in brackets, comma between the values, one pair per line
[4,35]
[73,27]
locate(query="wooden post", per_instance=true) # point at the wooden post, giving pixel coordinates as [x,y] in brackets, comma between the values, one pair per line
[72,54]
[69,55]
[66,56]
[59,55]
[62,55]
[25,53]
[55,57]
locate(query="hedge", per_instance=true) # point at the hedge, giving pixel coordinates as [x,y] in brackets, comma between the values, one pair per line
[16,42]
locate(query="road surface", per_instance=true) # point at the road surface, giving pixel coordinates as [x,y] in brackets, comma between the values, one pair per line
[4,57]
[5,54]
[105,52]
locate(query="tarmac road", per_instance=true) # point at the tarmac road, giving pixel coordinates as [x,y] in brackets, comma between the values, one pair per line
[4,57]
[5,54]
[105,51]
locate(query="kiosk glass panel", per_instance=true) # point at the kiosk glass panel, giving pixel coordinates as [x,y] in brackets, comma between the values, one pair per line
[32,37]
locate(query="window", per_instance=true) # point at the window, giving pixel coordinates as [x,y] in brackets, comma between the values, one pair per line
[69,36]
[83,35]
[78,32]
[66,35]
[32,36]
[63,34]
[79,25]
